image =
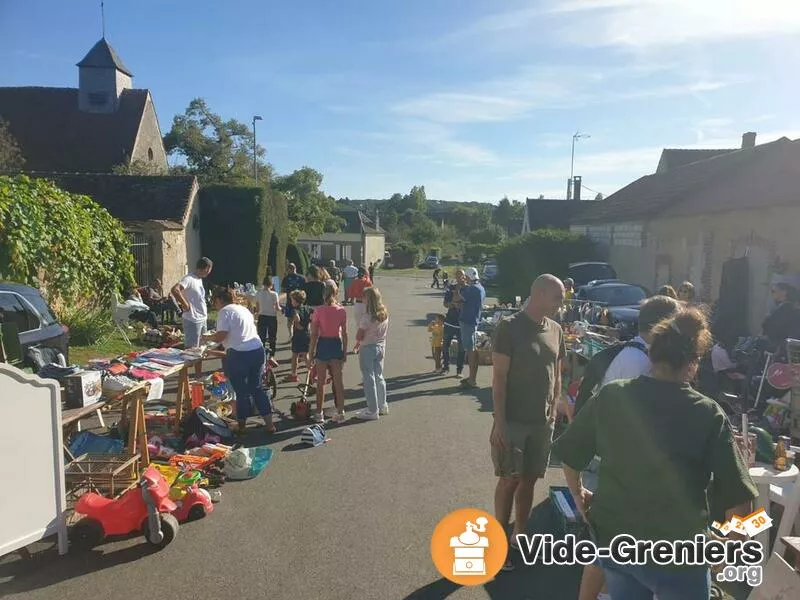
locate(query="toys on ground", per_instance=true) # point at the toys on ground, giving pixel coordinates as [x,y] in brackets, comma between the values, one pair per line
[193,504]
[146,508]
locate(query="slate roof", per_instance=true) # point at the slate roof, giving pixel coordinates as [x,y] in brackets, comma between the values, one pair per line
[672,158]
[133,198]
[356,221]
[53,135]
[103,56]
[765,175]
[545,213]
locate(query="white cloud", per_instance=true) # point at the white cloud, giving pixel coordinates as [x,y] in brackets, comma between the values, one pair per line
[515,97]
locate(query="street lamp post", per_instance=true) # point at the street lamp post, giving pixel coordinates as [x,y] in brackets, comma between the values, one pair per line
[255,161]
[577,136]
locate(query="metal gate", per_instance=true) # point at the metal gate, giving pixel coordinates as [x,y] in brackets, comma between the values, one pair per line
[140,248]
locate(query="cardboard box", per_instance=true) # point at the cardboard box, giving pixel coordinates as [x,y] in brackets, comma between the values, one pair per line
[83,388]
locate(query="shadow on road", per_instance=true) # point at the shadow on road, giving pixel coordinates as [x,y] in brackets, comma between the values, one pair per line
[524,582]
[47,568]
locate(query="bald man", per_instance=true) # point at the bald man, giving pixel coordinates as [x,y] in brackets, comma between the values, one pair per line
[528,348]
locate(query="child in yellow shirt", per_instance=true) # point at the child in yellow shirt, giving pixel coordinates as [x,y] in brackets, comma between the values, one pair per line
[436,329]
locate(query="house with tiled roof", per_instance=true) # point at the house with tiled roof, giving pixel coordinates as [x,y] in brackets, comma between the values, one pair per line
[77,136]
[360,239]
[160,213]
[692,221]
[102,123]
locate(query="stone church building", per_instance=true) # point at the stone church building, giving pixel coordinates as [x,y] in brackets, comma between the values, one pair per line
[77,136]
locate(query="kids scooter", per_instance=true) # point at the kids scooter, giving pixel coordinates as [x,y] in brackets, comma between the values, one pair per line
[145,508]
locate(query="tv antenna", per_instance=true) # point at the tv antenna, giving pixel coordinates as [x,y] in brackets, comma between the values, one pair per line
[103,18]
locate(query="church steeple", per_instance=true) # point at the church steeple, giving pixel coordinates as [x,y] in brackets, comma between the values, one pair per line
[102,77]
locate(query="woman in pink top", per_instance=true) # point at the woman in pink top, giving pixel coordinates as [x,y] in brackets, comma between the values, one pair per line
[328,343]
[371,336]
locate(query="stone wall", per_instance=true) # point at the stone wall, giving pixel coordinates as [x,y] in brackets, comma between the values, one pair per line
[149,147]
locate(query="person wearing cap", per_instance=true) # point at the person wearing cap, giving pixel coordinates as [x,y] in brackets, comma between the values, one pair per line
[350,272]
[472,297]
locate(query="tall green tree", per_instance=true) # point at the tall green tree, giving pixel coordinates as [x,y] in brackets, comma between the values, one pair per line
[11,158]
[506,213]
[215,150]
[468,218]
[310,209]
[415,200]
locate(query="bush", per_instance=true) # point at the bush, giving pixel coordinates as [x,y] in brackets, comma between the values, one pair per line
[65,244]
[474,253]
[538,252]
[87,325]
[237,225]
[297,255]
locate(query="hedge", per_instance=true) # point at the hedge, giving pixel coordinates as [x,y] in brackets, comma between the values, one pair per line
[237,225]
[297,255]
[65,244]
[538,252]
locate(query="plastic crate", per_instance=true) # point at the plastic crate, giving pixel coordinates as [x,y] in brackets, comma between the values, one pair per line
[567,516]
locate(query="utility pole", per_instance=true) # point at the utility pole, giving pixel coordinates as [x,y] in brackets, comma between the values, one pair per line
[577,136]
[255,157]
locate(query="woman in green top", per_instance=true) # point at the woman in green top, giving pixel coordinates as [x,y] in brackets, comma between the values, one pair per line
[659,442]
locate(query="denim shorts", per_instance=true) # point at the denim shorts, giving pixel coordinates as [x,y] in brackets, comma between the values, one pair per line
[329,348]
[469,336]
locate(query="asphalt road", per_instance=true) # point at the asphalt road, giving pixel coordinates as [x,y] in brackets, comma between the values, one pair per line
[348,520]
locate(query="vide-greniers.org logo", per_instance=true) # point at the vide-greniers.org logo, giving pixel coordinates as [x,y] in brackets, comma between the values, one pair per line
[741,558]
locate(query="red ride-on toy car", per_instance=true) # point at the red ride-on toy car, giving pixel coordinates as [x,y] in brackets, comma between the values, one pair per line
[195,504]
[145,508]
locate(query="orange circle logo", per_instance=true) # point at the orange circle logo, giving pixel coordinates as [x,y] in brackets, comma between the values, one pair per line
[469,547]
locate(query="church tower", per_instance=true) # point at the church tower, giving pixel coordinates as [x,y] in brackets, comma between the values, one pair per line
[101,79]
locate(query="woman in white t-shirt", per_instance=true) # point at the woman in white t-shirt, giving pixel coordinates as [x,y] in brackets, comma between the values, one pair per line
[245,357]
[372,329]
[269,307]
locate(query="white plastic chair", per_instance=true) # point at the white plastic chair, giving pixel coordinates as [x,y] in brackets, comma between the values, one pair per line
[788,496]
[121,314]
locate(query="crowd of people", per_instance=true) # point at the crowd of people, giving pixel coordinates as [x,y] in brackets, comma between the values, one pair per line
[317,334]
[639,458]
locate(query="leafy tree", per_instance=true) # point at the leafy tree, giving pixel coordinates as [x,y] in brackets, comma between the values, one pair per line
[468,218]
[138,167]
[506,213]
[415,200]
[493,234]
[11,158]
[215,150]
[599,196]
[66,244]
[310,209]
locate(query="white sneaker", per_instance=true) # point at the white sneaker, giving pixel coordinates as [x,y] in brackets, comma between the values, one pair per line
[339,417]
[366,415]
[319,418]
[384,410]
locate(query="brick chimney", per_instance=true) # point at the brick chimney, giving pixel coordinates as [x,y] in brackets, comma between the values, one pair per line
[576,188]
[377,219]
[749,140]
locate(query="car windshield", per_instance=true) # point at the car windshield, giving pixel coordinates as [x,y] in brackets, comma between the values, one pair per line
[616,295]
[490,269]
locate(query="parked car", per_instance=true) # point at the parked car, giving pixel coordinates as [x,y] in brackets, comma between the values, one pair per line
[430,262]
[584,272]
[621,299]
[35,322]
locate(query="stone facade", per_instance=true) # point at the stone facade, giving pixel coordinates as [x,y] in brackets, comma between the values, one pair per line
[149,145]
[694,248]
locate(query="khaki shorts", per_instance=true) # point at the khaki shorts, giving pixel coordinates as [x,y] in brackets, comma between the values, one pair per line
[529,451]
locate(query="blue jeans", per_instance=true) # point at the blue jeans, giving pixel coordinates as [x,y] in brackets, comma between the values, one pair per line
[192,332]
[630,582]
[469,336]
[450,334]
[370,358]
[246,371]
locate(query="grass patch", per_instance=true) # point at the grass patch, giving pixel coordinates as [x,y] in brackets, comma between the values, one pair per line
[419,273]
[110,346]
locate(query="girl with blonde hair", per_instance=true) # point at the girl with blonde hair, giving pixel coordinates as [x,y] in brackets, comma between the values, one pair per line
[328,344]
[371,337]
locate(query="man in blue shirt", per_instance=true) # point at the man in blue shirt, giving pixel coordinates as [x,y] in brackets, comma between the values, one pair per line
[472,297]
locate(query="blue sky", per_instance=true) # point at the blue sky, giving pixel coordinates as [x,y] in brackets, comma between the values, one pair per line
[475,99]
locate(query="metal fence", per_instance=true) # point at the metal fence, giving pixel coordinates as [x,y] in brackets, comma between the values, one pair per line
[142,257]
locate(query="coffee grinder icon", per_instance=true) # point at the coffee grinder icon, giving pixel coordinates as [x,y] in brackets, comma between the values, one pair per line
[469,549]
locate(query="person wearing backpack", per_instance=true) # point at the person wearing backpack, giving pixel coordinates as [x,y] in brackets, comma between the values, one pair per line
[621,361]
